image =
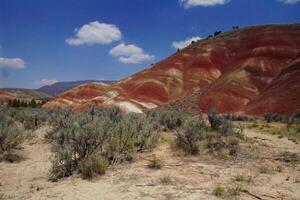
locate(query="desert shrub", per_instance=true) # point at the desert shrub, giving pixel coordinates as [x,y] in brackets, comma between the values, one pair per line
[63,163]
[214,142]
[220,123]
[107,133]
[112,113]
[232,144]
[76,142]
[271,117]
[238,117]
[93,165]
[11,134]
[31,118]
[58,120]
[217,143]
[121,143]
[215,120]
[189,135]
[154,116]
[171,119]
[296,115]
[147,132]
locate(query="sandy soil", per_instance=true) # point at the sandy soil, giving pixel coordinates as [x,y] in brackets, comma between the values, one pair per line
[191,177]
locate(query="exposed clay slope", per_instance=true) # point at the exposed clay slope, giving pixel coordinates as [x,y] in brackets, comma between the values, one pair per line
[282,95]
[5,97]
[230,71]
[78,96]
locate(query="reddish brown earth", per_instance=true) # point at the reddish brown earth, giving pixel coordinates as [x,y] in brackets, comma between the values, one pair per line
[253,70]
[5,97]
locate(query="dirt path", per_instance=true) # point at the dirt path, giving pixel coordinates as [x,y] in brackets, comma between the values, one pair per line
[191,177]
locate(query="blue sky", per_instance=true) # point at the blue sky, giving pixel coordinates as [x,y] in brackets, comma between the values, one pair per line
[43,41]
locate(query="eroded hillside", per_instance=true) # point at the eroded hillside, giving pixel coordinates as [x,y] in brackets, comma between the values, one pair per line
[239,71]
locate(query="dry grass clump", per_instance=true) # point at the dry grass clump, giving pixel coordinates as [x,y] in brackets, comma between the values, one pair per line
[165,180]
[93,165]
[154,163]
[228,192]
[243,178]
[263,169]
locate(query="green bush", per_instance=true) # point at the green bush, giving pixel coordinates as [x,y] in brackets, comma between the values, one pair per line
[187,138]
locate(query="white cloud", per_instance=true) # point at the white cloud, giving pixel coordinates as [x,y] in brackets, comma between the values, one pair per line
[130,54]
[15,63]
[289,1]
[46,82]
[193,3]
[185,43]
[95,33]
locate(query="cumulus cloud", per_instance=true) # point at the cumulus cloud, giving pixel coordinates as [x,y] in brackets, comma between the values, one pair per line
[130,54]
[193,3]
[289,1]
[46,82]
[15,63]
[185,43]
[95,33]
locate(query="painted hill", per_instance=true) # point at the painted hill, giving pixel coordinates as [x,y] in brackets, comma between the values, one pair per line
[253,70]
[60,87]
[80,97]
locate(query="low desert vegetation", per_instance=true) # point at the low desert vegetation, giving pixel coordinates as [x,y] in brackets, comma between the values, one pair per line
[108,133]
[165,180]
[189,136]
[11,136]
[243,178]
[228,192]
[264,169]
[221,138]
[90,142]
[154,163]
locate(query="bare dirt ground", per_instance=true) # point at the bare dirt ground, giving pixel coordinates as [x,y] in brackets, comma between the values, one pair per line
[190,177]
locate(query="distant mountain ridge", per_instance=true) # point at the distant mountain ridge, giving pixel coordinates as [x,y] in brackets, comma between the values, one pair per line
[60,87]
[7,94]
